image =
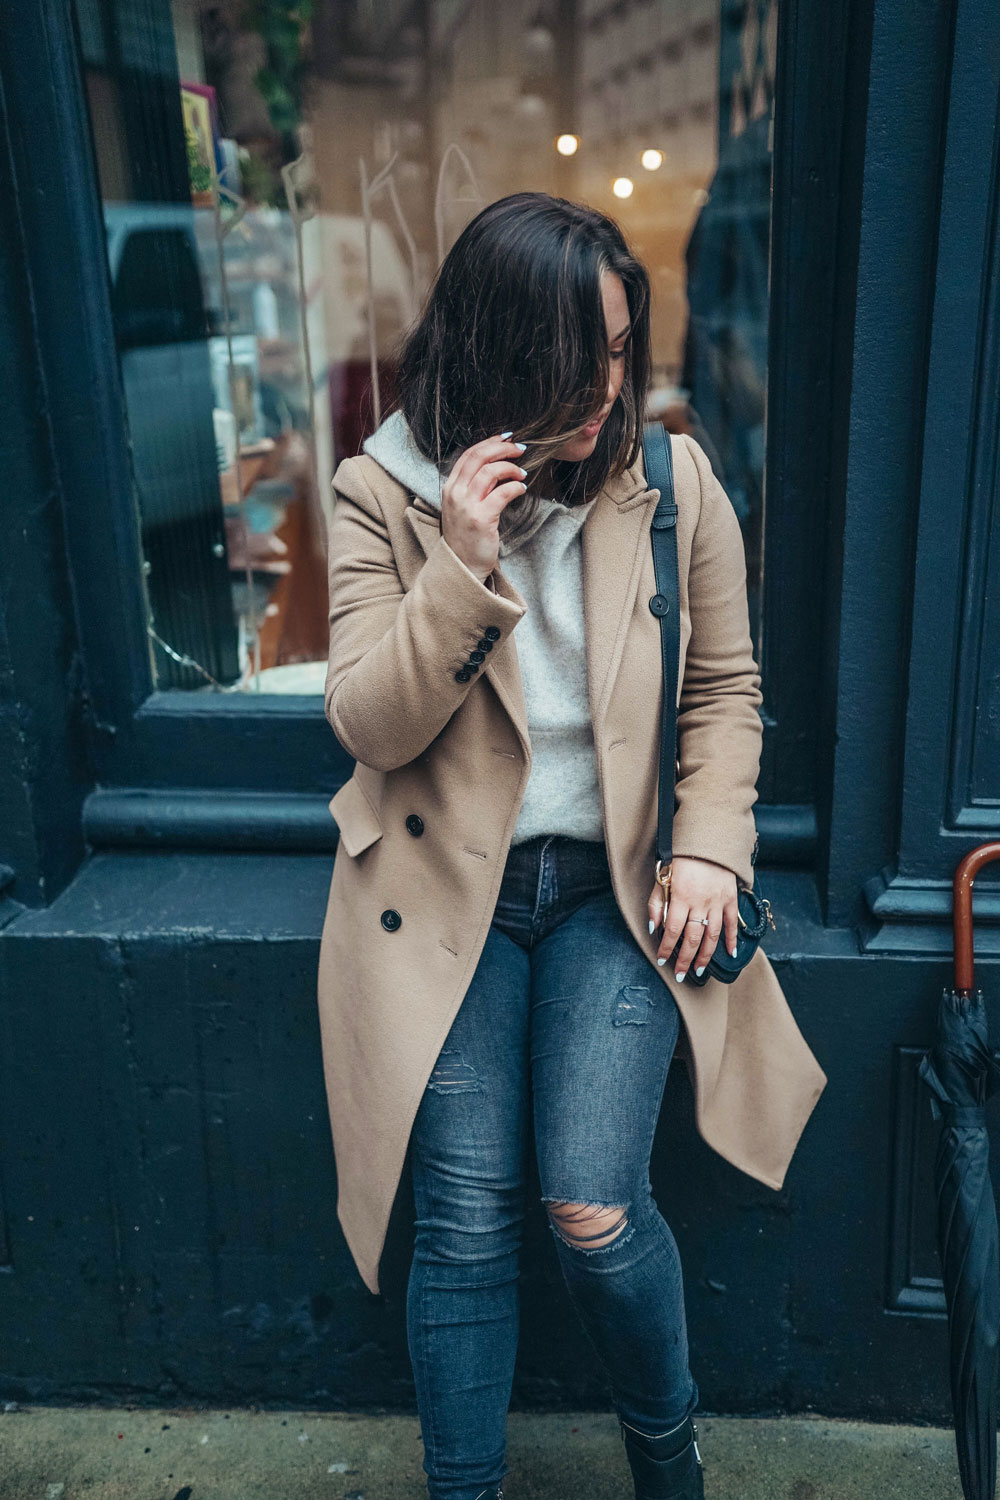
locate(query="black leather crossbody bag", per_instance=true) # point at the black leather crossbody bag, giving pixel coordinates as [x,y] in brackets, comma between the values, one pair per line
[754,910]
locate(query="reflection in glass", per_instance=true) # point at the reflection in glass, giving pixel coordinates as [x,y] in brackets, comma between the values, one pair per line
[279,185]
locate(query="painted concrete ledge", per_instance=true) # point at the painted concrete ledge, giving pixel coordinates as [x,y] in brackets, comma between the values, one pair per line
[103,1453]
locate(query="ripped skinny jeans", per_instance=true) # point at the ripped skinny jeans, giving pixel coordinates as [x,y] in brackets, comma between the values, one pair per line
[566,1017]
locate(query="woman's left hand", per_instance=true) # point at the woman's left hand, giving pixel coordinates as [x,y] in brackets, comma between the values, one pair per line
[698,888]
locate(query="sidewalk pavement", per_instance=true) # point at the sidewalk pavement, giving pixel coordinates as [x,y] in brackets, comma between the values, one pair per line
[131,1453]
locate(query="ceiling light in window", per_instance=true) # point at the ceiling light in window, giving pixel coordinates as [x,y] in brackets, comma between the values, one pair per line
[567,145]
[622,187]
[539,39]
[652,159]
[532,106]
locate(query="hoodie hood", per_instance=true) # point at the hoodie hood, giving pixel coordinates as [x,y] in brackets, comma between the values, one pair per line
[392,446]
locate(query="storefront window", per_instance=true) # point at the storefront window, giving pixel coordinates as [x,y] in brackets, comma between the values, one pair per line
[279,184]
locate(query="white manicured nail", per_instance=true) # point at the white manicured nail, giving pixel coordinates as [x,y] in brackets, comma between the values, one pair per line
[700,971]
[733,952]
[507,434]
[652,927]
[680,977]
[661,962]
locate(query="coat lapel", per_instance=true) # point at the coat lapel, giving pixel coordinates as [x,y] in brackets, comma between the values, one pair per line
[614,539]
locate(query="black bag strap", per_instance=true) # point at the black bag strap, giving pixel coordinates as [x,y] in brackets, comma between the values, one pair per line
[665,604]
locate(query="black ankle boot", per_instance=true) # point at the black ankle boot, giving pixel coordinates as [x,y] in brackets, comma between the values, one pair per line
[676,1478]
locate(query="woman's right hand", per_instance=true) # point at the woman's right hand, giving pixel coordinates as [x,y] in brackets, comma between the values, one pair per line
[483,480]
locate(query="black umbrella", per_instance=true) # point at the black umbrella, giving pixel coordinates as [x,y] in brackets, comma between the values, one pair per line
[962,1071]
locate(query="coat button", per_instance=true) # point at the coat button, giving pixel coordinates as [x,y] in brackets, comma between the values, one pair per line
[491,633]
[391,920]
[659,604]
[415,825]
[463,674]
[484,644]
[477,656]
[470,667]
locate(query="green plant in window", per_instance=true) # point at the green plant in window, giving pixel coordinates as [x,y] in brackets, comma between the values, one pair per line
[282,25]
[260,182]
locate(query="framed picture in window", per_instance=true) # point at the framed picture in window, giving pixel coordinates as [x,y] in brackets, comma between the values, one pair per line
[201,137]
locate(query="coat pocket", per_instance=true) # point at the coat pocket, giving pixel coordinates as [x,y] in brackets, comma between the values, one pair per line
[357,821]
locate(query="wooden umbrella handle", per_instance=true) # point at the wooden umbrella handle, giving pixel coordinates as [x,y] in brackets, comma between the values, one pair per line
[965,874]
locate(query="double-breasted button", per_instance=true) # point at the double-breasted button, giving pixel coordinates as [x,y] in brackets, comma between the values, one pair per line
[659,604]
[484,644]
[491,633]
[463,674]
[470,667]
[391,920]
[477,656]
[415,825]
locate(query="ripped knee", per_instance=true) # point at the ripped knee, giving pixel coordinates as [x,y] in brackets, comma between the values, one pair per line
[587,1226]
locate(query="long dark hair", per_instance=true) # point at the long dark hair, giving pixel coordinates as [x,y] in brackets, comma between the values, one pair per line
[513,337]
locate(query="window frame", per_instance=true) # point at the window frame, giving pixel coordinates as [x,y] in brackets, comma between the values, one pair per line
[954,616]
[146,743]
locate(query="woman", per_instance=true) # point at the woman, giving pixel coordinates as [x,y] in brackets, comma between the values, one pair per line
[495,943]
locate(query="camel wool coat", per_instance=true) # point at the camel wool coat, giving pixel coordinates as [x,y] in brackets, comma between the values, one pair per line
[426,819]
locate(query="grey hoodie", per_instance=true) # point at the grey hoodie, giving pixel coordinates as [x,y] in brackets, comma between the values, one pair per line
[545,566]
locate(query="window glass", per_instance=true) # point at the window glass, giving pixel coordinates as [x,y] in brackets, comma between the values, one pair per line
[280,182]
